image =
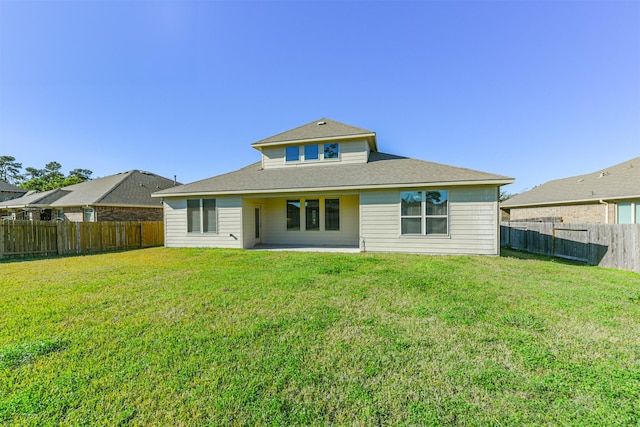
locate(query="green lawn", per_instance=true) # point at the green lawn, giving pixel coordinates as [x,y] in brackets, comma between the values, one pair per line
[225,337]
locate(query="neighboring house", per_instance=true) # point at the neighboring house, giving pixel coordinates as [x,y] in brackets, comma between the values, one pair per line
[608,196]
[121,197]
[9,191]
[326,184]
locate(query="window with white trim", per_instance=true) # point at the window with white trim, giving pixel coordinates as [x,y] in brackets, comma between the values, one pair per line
[311,152]
[202,216]
[424,212]
[88,214]
[292,154]
[332,151]
[628,213]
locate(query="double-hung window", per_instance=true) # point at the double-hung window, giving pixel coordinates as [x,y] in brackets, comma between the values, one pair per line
[424,212]
[202,216]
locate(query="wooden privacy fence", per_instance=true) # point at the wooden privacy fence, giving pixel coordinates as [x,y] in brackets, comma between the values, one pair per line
[41,238]
[606,245]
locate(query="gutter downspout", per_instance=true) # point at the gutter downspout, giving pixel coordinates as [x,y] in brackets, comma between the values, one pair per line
[606,210]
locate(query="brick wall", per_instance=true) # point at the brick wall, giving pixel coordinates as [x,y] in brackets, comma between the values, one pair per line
[73,214]
[592,214]
[129,214]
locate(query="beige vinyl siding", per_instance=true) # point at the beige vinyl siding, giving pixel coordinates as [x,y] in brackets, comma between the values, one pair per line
[473,223]
[275,225]
[350,152]
[229,235]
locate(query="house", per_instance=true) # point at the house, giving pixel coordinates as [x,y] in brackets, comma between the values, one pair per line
[607,196]
[121,197]
[9,191]
[326,184]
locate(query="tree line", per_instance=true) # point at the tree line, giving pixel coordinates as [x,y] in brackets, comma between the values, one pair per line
[48,178]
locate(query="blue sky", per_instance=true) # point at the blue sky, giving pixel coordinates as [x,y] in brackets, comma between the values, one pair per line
[536,90]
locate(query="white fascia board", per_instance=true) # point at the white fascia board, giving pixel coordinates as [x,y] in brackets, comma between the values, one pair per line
[342,188]
[106,205]
[29,206]
[310,140]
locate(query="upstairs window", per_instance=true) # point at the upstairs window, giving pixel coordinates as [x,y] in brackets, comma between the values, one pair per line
[424,212]
[292,154]
[332,151]
[310,152]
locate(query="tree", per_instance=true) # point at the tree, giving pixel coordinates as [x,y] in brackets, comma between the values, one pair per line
[504,196]
[45,179]
[77,176]
[10,170]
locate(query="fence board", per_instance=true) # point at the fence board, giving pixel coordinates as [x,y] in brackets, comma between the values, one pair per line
[32,238]
[28,238]
[606,245]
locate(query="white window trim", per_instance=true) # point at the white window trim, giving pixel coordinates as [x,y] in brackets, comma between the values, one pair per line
[634,218]
[298,160]
[304,154]
[322,215]
[201,232]
[423,218]
[331,159]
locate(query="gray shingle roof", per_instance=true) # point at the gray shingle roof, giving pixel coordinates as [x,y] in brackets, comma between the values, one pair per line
[5,186]
[132,188]
[34,199]
[616,182]
[318,129]
[382,171]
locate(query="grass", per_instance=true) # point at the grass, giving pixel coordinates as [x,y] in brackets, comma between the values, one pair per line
[224,337]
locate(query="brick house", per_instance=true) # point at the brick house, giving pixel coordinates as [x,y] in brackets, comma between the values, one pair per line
[607,196]
[124,196]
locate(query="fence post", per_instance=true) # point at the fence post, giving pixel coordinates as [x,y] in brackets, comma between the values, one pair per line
[2,239]
[59,237]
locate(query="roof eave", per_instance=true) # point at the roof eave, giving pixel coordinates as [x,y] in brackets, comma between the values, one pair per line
[498,182]
[26,206]
[368,136]
[571,202]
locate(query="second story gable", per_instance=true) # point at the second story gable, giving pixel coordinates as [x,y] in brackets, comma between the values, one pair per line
[318,143]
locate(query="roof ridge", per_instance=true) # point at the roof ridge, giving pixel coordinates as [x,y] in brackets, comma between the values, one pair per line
[298,133]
